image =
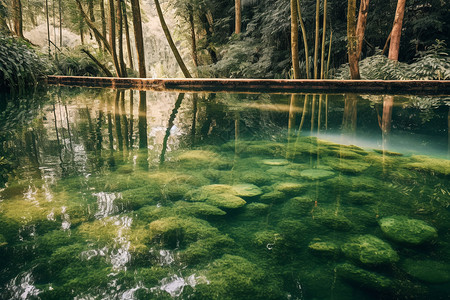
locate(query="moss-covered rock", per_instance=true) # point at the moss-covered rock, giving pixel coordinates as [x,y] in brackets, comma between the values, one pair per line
[432,165]
[3,241]
[206,249]
[255,209]
[364,278]
[198,159]
[246,190]
[351,166]
[324,248]
[266,239]
[316,174]
[272,197]
[275,162]
[290,188]
[369,249]
[293,233]
[361,197]
[386,152]
[427,270]
[332,219]
[298,206]
[198,209]
[225,200]
[257,178]
[234,277]
[405,230]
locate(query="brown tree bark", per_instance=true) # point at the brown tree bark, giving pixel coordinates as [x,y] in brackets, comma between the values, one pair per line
[92,18]
[193,38]
[17,18]
[394,46]
[352,45]
[127,34]
[103,19]
[237,9]
[324,30]
[294,39]
[170,41]
[139,39]
[316,39]
[123,67]
[305,41]
[112,37]
[361,25]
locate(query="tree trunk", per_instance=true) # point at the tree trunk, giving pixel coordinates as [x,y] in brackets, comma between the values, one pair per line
[48,28]
[316,40]
[324,30]
[17,18]
[170,41]
[193,38]
[352,40]
[92,18]
[397,30]
[123,67]
[60,23]
[3,25]
[139,39]
[361,26]
[112,37]
[237,9]
[103,17]
[127,34]
[305,41]
[102,66]
[294,39]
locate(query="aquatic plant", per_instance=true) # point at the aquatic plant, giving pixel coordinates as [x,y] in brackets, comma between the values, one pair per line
[405,230]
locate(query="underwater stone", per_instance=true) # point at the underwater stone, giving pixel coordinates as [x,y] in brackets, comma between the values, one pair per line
[386,152]
[255,178]
[351,166]
[266,238]
[432,165]
[290,188]
[200,159]
[228,201]
[428,270]
[256,209]
[198,209]
[370,250]
[330,219]
[364,278]
[405,230]
[275,162]
[361,197]
[246,190]
[298,206]
[324,248]
[316,174]
[273,196]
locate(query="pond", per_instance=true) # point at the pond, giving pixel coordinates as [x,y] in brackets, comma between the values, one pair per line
[162,195]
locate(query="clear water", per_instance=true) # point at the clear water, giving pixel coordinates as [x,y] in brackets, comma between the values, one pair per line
[151,195]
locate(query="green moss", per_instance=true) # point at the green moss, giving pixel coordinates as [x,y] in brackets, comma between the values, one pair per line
[3,241]
[256,209]
[266,238]
[432,165]
[135,198]
[386,152]
[293,232]
[275,162]
[198,209]
[227,201]
[272,197]
[370,250]
[347,165]
[428,270]
[405,230]
[234,277]
[361,197]
[256,178]
[290,188]
[316,174]
[206,249]
[298,206]
[324,248]
[198,159]
[246,190]
[332,219]
[364,278]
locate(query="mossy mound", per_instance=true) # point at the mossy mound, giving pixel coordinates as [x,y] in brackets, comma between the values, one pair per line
[246,190]
[234,277]
[405,230]
[256,209]
[136,198]
[198,209]
[220,195]
[227,201]
[386,152]
[198,159]
[432,165]
[290,188]
[324,248]
[202,194]
[369,249]
[258,179]
[364,278]
[346,153]
[350,166]
[206,249]
[298,206]
[361,197]
[266,239]
[316,174]
[275,162]
[272,197]
[333,220]
[293,233]
[3,241]
[428,270]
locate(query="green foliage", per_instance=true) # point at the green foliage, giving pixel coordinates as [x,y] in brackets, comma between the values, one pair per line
[20,65]
[432,64]
[73,62]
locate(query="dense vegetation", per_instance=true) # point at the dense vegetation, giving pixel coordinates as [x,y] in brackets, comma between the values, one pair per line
[210,38]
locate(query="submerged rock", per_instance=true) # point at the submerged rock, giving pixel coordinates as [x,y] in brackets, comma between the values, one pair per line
[290,188]
[364,278]
[198,209]
[405,230]
[361,197]
[352,166]
[201,159]
[428,270]
[316,174]
[432,165]
[324,248]
[3,241]
[275,162]
[256,209]
[332,220]
[225,200]
[369,249]
[246,190]
[273,196]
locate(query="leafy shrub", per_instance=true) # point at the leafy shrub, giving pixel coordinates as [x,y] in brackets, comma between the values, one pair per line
[73,62]
[432,64]
[20,65]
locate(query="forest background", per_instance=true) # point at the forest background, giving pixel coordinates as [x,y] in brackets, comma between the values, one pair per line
[384,39]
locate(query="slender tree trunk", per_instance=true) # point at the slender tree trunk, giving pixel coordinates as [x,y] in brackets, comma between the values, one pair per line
[102,66]
[112,37]
[103,17]
[237,9]
[329,53]
[127,34]
[123,67]
[394,47]
[60,23]
[208,26]
[324,30]
[92,18]
[139,39]
[48,28]
[17,18]
[193,38]
[305,41]
[170,41]
[352,45]
[3,25]
[81,33]
[316,40]
[294,39]
[361,25]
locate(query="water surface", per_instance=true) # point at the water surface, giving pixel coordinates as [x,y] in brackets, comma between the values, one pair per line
[157,195]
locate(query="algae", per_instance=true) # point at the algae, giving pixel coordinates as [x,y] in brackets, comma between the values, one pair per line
[405,230]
